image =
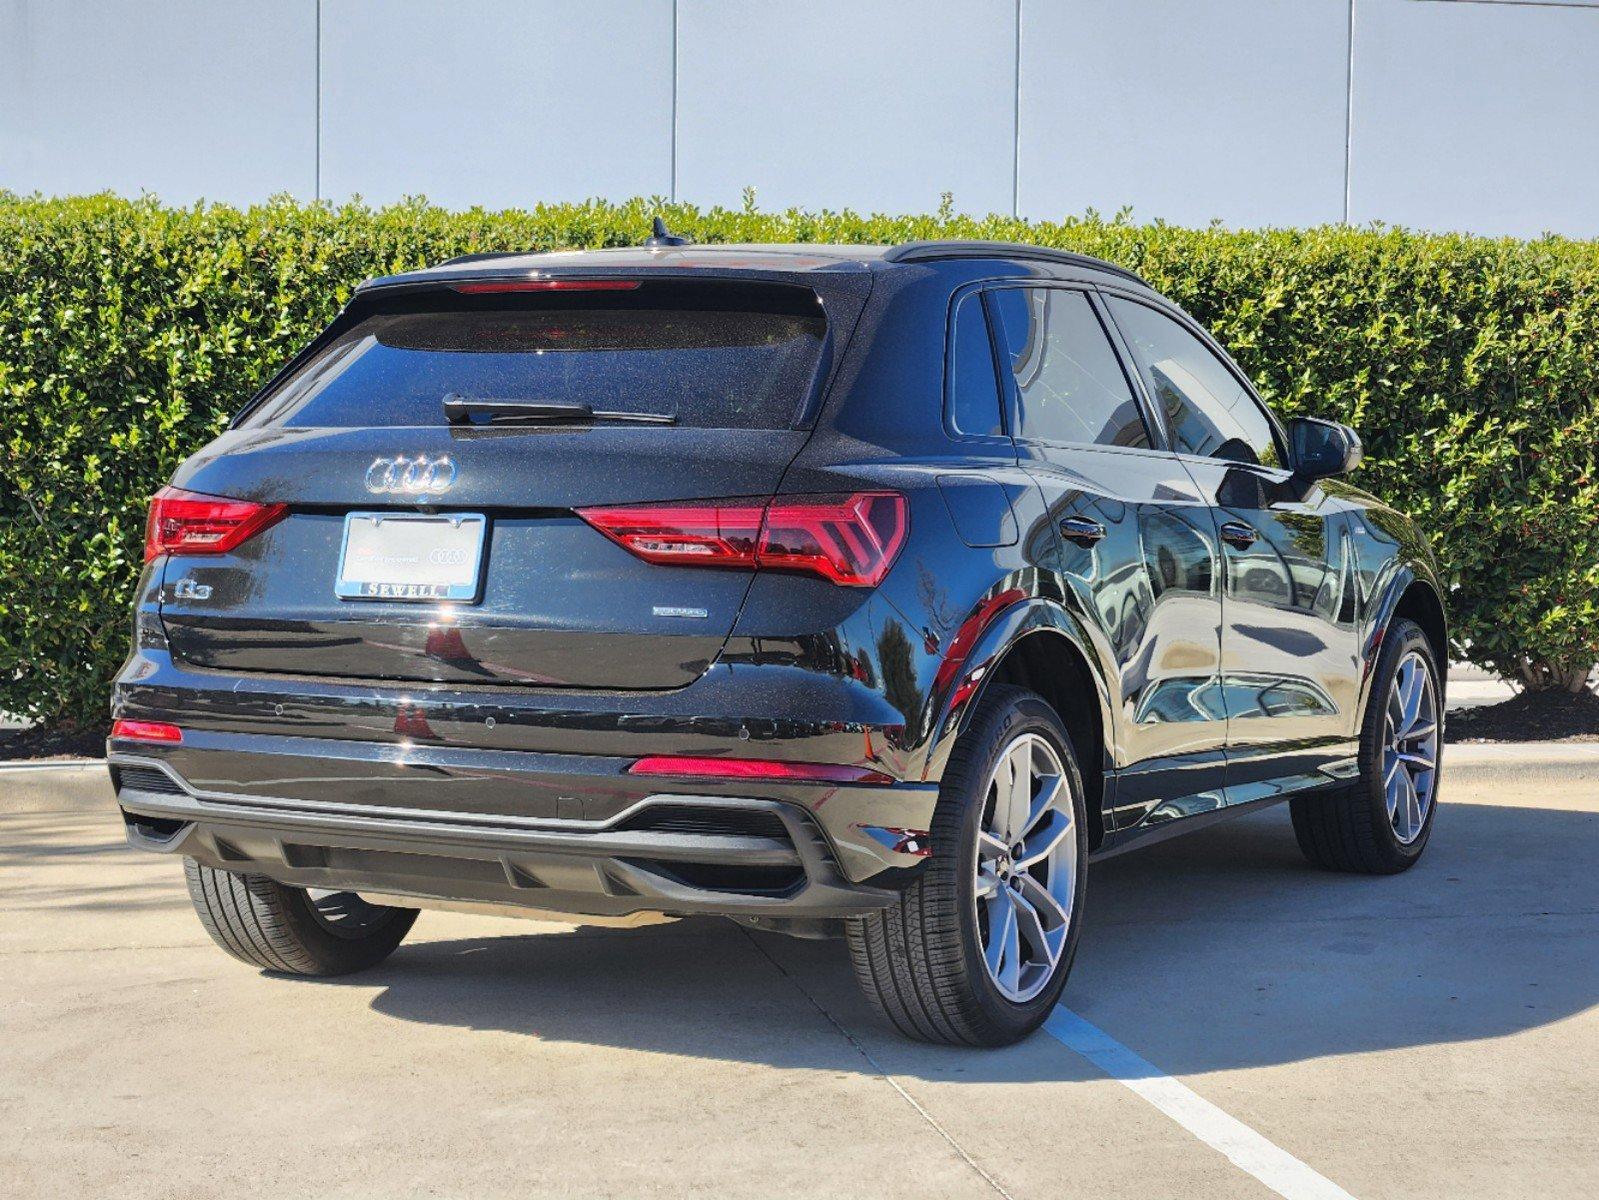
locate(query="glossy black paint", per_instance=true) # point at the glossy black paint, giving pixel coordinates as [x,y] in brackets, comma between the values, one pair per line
[1218,620]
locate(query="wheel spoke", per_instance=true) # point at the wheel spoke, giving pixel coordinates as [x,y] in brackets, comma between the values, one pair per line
[989,846]
[1010,974]
[1041,843]
[1031,931]
[1414,760]
[1019,795]
[1001,930]
[1050,910]
[1050,788]
[1421,779]
[1414,684]
[1412,807]
[987,883]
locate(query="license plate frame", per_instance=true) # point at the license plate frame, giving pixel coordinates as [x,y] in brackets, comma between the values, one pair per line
[433,580]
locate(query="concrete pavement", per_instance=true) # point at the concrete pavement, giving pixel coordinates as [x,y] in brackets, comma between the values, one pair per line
[1432,1034]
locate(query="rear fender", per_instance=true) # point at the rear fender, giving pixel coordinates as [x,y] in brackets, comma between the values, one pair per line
[964,674]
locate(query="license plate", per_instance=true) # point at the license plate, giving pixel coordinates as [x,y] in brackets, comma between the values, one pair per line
[388,556]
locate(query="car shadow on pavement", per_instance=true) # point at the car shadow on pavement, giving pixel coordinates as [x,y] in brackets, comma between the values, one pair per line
[1216,951]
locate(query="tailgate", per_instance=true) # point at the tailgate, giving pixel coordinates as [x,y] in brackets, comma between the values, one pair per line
[359,432]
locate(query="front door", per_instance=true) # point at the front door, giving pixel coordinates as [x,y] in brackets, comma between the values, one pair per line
[1290,645]
[1290,642]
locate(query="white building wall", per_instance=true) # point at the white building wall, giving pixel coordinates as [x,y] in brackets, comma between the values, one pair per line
[1187,111]
[501,103]
[1476,116]
[879,105]
[1449,114]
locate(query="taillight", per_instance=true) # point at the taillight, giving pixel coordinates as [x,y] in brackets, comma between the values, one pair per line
[849,539]
[494,286]
[145,731]
[690,767]
[188,523]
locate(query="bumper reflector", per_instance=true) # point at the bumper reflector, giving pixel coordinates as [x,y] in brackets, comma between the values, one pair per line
[754,768]
[146,731]
[918,842]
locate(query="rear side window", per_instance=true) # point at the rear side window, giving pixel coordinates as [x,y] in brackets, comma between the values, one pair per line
[1210,413]
[973,386]
[1069,383]
[732,357]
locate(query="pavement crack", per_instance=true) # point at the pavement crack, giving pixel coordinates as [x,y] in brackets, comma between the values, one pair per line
[961,1151]
[7,953]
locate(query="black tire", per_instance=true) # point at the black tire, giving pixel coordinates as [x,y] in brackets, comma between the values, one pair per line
[1350,830]
[268,924]
[920,961]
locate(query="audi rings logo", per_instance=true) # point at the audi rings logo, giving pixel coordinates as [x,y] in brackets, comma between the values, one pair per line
[402,476]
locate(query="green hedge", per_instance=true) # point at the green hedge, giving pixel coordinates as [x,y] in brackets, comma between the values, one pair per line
[129,332]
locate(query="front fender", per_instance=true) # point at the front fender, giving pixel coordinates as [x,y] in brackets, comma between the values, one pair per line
[1389,588]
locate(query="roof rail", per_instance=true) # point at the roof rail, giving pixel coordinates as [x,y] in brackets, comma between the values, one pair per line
[931,251]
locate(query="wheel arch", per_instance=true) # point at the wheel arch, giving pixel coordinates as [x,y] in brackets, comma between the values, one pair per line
[1421,603]
[1037,645]
[1413,593]
[1051,664]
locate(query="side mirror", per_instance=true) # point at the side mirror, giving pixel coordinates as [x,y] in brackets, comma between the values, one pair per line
[1322,448]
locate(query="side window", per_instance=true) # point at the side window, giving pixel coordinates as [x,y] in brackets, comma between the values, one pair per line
[973,386]
[1069,383]
[1210,413]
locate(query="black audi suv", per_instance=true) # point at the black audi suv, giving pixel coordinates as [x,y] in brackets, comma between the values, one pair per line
[855,590]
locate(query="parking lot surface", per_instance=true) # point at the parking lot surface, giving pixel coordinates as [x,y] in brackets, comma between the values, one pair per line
[1431,1034]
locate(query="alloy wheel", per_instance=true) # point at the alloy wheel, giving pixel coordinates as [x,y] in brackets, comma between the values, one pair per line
[1026,868]
[1410,747]
[345,914]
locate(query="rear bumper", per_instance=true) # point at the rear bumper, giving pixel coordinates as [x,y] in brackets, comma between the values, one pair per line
[323,813]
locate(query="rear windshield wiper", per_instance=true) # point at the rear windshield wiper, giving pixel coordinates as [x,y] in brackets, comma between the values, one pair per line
[458,410]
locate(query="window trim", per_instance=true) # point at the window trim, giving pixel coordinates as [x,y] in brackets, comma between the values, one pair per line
[952,430]
[1010,398]
[1168,309]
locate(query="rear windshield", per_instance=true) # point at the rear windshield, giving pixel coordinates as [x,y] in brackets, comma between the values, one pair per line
[713,356]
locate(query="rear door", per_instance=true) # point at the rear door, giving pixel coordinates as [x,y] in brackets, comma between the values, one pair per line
[415,548]
[1290,646]
[1133,551]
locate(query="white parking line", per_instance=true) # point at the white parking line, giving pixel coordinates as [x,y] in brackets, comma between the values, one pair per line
[1248,1150]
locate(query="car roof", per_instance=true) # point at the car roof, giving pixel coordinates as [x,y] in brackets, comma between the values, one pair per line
[790,258]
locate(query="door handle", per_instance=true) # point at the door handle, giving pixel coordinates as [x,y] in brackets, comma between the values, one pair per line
[1236,533]
[1081,530]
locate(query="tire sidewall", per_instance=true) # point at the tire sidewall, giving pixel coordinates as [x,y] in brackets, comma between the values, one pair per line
[1013,713]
